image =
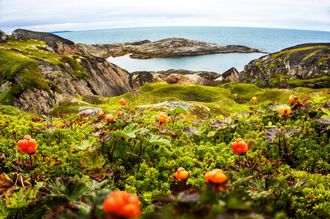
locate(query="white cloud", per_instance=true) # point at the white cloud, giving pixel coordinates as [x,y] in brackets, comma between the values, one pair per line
[91,14]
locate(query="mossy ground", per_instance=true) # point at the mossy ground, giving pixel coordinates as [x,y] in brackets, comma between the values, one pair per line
[325,80]
[224,99]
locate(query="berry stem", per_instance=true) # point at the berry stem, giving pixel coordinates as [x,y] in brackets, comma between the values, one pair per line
[31,162]
[247,161]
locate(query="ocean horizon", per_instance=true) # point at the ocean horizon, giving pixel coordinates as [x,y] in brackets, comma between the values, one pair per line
[265,39]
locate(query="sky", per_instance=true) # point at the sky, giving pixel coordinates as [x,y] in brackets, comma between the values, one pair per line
[57,15]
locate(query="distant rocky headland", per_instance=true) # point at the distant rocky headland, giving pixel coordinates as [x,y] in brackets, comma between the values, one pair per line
[165,48]
[40,70]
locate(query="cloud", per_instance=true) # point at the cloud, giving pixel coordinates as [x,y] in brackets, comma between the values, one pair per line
[86,14]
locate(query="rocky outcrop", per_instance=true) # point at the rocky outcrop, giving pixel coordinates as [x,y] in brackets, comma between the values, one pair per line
[58,44]
[102,79]
[170,47]
[3,36]
[302,65]
[172,76]
[50,72]
[231,75]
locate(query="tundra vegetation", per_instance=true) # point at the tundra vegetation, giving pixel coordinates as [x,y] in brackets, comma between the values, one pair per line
[234,150]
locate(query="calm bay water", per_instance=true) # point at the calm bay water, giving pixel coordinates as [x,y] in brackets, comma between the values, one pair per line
[268,40]
[215,63]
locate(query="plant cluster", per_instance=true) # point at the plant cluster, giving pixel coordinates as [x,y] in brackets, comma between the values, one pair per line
[74,165]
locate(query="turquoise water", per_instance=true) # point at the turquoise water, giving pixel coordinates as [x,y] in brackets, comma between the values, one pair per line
[268,40]
[216,62]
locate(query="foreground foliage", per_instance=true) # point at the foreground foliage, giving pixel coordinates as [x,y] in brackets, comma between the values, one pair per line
[171,156]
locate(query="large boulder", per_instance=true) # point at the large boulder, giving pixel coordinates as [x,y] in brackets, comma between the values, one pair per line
[231,75]
[139,78]
[302,65]
[3,36]
[184,79]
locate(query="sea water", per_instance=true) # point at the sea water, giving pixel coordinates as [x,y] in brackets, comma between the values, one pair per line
[264,39]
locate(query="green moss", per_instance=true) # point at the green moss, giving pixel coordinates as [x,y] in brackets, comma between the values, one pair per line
[93,99]
[310,55]
[188,92]
[304,82]
[324,59]
[278,79]
[288,51]
[77,69]
[68,109]
[259,65]
[272,65]
[22,71]
[12,62]
[241,89]
[10,110]
[33,49]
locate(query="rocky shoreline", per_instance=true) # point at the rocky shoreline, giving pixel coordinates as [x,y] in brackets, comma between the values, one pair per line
[165,48]
[41,70]
[180,76]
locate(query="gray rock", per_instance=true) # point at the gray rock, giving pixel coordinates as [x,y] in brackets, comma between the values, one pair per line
[231,75]
[3,36]
[167,105]
[89,110]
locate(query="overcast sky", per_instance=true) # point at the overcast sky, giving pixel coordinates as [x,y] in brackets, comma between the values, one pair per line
[54,15]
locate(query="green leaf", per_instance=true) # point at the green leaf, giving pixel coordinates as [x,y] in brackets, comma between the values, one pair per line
[86,144]
[211,134]
[92,160]
[177,111]
[128,132]
[326,111]
[4,212]
[73,188]
[157,140]
[23,197]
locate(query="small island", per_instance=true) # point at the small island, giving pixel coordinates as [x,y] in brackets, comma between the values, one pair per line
[165,48]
